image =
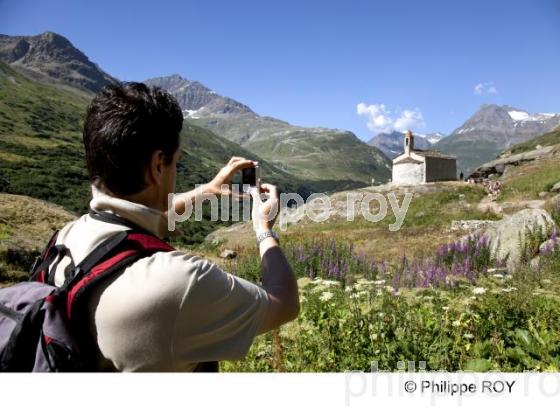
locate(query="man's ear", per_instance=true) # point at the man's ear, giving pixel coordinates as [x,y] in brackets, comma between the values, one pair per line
[155,170]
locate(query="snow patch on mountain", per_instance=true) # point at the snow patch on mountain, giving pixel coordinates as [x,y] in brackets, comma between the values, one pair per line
[523,116]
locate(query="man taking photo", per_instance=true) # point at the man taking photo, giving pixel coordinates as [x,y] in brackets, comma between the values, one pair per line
[170,311]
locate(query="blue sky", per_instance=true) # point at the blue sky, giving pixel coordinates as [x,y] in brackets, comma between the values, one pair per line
[407,63]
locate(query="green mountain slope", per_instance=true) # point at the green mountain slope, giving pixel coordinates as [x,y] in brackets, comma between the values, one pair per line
[470,153]
[550,138]
[326,155]
[310,153]
[41,151]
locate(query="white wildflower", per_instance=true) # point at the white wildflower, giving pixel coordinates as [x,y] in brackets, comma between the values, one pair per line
[510,289]
[326,296]
[479,291]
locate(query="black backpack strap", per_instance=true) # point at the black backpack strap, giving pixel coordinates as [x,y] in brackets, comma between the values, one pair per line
[100,253]
[115,219]
[37,272]
[50,273]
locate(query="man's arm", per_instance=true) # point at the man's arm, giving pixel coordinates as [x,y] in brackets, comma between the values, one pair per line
[281,285]
[279,280]
[214,187]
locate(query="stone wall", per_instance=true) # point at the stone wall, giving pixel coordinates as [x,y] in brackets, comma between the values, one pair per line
[408,173]
[441,169]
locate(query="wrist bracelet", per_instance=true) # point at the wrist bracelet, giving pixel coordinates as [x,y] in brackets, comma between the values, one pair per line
[267,234]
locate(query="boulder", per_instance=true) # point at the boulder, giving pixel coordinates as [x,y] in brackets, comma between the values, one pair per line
[555,188]
[228,254]
[548,246]
[504,235]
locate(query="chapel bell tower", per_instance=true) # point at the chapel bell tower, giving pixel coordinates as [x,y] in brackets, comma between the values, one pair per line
[408,142]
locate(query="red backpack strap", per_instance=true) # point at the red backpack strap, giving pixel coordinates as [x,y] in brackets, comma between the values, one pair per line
[111,257]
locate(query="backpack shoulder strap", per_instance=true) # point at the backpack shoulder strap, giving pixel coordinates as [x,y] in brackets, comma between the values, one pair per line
[38,270]
[110,257]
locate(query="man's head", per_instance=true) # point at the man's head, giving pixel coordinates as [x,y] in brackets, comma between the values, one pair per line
[131,138]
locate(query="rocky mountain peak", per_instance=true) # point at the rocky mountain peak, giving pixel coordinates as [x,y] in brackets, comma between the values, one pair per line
[197,100]
[51,56]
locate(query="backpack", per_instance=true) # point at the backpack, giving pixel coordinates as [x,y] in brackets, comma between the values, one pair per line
[44,328]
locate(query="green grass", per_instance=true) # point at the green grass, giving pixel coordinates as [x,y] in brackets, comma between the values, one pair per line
[527,185]
[438,209]
[431,210]
[4,232]
[550,138]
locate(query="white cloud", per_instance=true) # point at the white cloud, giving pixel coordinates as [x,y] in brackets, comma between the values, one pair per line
[485,88]
[380,119]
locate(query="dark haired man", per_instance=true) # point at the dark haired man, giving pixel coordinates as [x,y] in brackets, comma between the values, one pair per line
[170,311]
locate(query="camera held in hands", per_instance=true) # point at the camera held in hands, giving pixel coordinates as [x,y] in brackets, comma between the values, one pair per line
[251,178]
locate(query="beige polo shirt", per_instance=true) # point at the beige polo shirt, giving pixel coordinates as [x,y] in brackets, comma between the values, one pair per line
[166,312]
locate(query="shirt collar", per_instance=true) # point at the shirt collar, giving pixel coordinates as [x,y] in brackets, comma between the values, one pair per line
[150,219]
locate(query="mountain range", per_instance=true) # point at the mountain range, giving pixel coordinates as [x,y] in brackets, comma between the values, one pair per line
[47,83]
[391,143]
[491,130]
[310,153]
[45,86]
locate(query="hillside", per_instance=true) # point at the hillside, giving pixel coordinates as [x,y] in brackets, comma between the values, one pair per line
[317,154]
[545,140]
[528,171]
[40,141]
[26,224]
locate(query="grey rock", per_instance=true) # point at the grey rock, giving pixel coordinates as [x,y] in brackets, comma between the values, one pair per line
[535,263]
[470,224]
[228,254]
[505,234]
[556,187]
[500,165]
